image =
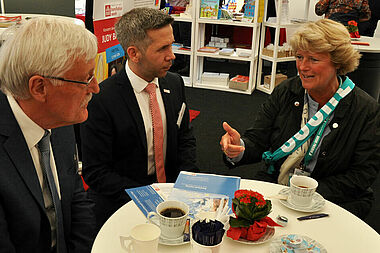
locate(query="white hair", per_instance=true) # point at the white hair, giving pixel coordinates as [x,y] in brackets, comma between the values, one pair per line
[44,46]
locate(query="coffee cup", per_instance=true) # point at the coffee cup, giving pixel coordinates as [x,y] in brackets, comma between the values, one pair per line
[302,189]
[172,216]
[143,238]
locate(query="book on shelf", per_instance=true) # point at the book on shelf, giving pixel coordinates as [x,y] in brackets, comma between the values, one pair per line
[208,49]
[209,9]
[204,192]
[227,51]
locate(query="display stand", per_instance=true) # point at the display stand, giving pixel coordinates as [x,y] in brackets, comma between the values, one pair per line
[199,57]
[275,59]
[188,80]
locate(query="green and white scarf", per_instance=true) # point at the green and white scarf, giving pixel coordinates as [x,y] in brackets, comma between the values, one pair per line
[310,128]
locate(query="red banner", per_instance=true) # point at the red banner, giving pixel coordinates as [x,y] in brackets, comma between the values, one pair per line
[105,32]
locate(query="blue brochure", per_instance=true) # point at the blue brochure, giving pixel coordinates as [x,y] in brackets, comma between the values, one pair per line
[145,197]
[204,192]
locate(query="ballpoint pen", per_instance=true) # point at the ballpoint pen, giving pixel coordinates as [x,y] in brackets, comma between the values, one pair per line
[313,216]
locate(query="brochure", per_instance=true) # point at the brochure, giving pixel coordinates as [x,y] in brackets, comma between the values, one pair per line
[204,192]
[146,198]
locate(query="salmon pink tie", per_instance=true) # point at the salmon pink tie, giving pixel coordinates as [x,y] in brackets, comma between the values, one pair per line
[158,133]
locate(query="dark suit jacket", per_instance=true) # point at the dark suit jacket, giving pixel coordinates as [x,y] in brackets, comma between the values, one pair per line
[114,141]
[24,226]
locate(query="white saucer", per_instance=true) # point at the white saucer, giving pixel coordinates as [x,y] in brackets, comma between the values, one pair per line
[317,203]
[172,242]
[275,246]
[355,39]
[269,233]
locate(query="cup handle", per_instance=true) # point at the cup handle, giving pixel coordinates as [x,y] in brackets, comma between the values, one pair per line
[122,242]
[150,216]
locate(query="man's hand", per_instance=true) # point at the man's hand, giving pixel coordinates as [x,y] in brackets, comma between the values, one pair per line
[230,142]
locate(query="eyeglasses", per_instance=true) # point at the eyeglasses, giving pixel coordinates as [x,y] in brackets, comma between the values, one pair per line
[71,81]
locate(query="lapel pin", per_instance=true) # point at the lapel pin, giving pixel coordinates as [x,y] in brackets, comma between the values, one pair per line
[335,125]
[166,91]
[296,103]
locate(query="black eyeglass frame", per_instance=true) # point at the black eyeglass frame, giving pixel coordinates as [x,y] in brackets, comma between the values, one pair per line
[71,81]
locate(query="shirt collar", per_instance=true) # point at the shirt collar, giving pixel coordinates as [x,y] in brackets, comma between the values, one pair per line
[31,131]
[138,84]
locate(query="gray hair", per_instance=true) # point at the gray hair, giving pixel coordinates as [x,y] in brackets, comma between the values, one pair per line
[44,46]
[132,26]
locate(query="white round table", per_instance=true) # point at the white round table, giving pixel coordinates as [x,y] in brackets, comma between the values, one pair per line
[340,232]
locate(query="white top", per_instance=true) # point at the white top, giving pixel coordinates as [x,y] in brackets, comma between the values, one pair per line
[138,85]
[341,232]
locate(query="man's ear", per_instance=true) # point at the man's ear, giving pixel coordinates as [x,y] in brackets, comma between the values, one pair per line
[134,54]
[37,88]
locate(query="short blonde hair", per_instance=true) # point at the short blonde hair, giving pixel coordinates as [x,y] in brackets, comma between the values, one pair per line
[328,36]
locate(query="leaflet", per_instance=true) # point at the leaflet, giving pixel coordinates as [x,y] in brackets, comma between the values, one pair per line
[204,192]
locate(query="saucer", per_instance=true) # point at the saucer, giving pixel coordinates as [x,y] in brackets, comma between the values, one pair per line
[269,233]
[317,203]
[276,245]
[172,242]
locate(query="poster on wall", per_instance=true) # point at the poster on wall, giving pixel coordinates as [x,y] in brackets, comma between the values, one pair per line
[113,10]
[105,32]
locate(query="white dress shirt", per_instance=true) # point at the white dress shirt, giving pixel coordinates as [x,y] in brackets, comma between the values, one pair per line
[138,85]
[33,133]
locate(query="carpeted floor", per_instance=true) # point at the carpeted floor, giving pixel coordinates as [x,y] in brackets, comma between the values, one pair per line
[238,110]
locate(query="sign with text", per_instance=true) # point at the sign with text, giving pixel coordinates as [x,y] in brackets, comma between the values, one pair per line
[114,53]
[112,10]
[105,32]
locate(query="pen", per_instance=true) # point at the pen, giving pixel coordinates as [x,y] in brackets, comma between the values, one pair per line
[313,216]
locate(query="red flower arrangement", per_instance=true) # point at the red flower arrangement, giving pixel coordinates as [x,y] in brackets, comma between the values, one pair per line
[251,210]
[352,28]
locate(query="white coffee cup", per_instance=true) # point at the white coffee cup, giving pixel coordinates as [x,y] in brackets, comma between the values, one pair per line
[170,227]
[302,189]
[143,238]
[199,248]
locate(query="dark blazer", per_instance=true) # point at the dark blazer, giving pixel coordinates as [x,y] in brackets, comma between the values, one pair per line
[114,146]
[349,157]
[24,226]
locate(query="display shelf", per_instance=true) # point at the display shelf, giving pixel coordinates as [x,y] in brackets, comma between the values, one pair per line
[274,60]
[234,56]
[219,87]
[226,22]
[200,38]
[188,80]
[185,52]
[182,19]
[281,59]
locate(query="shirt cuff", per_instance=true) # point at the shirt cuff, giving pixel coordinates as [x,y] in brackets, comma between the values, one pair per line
[239,157]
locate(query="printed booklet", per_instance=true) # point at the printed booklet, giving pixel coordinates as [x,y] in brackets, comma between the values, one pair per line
[204,192]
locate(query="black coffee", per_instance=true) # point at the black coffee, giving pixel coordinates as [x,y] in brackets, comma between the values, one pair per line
[172,212]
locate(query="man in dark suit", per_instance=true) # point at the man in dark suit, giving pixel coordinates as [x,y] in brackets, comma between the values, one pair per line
[46,81]
[118,141]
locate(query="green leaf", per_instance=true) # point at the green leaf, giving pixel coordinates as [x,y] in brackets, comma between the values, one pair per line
[238,223]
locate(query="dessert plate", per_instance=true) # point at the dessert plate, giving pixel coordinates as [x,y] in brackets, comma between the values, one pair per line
[269,233]
[277,245]
[317,203]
